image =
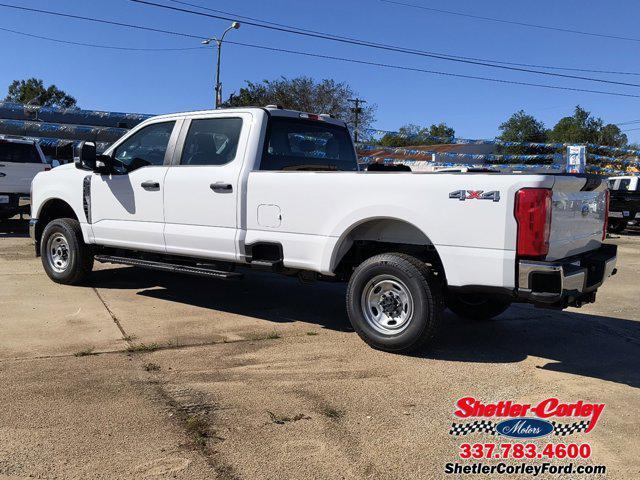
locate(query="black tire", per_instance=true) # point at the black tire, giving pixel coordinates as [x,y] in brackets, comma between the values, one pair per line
[616,225]
[415,282]
[64,234]
[477,307]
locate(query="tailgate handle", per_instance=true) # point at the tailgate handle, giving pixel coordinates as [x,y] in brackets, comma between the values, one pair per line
[220,187]
[150,185]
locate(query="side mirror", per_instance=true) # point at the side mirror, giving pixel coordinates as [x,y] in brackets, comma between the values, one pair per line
[84,156]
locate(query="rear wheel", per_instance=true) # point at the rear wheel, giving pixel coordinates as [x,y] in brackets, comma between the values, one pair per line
[477,307]
[616,225]
[65,256]
[394,302]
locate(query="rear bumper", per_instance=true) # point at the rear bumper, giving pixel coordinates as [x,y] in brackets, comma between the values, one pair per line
[568,282]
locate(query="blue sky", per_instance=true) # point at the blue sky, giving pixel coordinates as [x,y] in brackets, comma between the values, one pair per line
[160,82]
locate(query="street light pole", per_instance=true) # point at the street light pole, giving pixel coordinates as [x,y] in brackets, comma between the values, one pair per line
[234,26]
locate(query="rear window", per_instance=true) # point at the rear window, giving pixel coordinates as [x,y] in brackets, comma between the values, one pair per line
[307,145]
[18,152]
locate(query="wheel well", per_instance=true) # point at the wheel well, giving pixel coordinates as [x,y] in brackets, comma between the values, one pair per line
[52,209]
[384,235]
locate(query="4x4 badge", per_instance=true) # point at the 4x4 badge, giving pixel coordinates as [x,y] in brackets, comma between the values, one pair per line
[463,195]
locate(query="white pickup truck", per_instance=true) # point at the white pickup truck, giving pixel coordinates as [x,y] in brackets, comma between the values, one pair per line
[215,192]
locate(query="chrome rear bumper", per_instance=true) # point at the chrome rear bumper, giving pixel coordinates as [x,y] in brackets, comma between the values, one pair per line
[568,282]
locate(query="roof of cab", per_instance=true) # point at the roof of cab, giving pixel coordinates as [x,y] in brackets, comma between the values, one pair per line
[270,109]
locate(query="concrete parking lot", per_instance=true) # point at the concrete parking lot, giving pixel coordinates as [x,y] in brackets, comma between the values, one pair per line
[147,375]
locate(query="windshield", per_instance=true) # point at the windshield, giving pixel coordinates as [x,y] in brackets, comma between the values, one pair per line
[18,152]
[307,145]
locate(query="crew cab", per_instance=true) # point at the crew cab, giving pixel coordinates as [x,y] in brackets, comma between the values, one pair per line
[215,193]
[20,160]
[624,206]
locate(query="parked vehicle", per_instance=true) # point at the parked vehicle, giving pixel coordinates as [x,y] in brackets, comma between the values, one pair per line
[212,193]
[20,161]
[624,206]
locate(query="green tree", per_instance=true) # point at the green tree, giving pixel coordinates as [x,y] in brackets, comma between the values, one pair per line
[306,95]
[521,127]
[412,134]
[33,92]
[584,128]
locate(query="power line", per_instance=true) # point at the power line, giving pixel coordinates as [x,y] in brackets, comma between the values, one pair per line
[307,33]
[343,59]
[434,72]
[627,123]
[95,45]
[380,46]
[97,20]
[517,64]
[511,22]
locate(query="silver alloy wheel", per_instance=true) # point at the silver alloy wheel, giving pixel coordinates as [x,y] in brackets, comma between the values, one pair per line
[58,254]
[387,304]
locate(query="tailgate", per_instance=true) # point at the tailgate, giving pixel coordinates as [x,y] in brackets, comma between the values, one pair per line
[577,216]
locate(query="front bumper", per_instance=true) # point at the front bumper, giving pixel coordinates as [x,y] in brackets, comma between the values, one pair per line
[567,282]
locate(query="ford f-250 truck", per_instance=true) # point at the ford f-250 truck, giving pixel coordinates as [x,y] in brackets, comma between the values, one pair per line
[214,192]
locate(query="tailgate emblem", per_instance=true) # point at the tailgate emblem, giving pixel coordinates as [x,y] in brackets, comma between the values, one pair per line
[585,210]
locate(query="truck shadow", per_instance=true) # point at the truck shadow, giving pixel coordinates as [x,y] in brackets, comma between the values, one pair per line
[571,342]
[260,295]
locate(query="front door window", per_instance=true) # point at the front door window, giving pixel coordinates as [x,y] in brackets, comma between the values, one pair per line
[144,148]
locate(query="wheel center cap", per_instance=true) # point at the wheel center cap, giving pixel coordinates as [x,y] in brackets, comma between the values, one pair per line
[391,305]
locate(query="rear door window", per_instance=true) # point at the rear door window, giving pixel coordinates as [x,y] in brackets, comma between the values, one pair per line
[211,141]
[293,144]
[15,152]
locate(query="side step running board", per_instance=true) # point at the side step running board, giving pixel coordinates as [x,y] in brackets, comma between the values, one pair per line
[168,267]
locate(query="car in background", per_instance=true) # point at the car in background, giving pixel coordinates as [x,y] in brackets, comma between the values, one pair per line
[20,160]
[624,203]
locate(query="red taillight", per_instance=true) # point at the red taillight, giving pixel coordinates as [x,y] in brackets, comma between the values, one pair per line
[607,197]
[533,214]
[47,168]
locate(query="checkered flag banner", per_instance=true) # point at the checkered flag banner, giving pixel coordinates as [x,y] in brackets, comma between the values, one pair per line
[564,429]
[488,427]
[483,426]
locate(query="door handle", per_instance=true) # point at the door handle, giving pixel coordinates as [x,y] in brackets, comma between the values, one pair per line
[220,187]
[150,185]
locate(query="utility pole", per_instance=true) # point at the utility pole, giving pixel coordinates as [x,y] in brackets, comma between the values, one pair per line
[357,111]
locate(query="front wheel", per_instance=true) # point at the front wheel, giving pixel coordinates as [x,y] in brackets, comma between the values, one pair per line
[394,302]
[477,307]
[65,256]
